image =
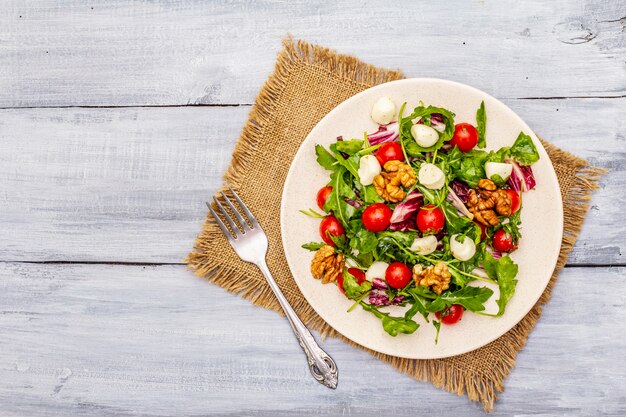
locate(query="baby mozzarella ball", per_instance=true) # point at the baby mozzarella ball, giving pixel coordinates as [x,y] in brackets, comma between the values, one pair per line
[424,245]
[383,111]
[369,167]
[376,270]
[498,168]
[425,136]
[431,176]
[463,251]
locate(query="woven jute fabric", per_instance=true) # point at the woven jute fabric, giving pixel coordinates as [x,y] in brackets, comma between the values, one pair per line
[308,82]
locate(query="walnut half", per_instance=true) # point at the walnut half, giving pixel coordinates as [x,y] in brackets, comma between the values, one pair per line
[487,201]
[437,277]
[388,183]
[327,265]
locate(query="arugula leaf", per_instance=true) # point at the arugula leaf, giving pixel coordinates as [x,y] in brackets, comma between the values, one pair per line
[409,144]
[351,287]
[368,194]
[481,125]
[455,223]
[503,270]
[471,298]
[420,305]
[351,164]
[393,325]
[349,146]
[437,325]
[313,246]
[363,240]
[523,150]
[324,158]
[335,202]
[471,170]
[512,227]
[497,179]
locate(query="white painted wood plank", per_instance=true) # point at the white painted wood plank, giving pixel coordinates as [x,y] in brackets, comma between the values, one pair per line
[129,184]
[153,341]
[58,53]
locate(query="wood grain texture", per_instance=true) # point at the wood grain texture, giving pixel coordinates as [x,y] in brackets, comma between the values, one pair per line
[154,341]
[128,184]
[119,52]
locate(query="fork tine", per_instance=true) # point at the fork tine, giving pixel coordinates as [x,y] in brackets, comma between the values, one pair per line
[230,221]
[236,212]
[245,209]
[220,223]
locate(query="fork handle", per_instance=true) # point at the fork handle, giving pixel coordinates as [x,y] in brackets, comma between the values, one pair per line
[321,365]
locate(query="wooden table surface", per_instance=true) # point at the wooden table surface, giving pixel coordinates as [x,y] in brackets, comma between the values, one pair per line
[117,120]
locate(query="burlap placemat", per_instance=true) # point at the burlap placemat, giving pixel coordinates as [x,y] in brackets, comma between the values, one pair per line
[309,81]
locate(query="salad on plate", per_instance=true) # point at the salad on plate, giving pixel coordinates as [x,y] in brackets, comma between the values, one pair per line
[418,215]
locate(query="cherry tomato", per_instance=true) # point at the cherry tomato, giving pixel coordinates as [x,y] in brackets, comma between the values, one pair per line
[331,225]
[390,151]
[515,200]
[430,219]
[450,315]
[398,275]
[502,242]
[357,273]
[376,217]
[465,137]
[322,196]
[483,230]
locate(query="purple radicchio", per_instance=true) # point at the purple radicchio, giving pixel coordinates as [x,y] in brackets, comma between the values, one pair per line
[458,199]
[379,284]
[388,133]
[522,177]
[403,216]
[378,298]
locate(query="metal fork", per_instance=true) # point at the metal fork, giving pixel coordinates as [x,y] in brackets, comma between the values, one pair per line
[250,243]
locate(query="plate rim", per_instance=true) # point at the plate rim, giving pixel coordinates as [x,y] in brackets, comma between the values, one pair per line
[543,153]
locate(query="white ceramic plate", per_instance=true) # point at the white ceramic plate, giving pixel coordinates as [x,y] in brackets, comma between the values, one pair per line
[542,221]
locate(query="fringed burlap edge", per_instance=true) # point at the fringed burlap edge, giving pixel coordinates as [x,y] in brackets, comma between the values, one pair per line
[441,373]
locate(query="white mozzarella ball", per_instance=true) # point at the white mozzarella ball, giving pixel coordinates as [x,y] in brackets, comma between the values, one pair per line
[463,251]
[424,245]
[376,270]
[431,176]
[498,168]
[369,167]
[383,111]
[425,136]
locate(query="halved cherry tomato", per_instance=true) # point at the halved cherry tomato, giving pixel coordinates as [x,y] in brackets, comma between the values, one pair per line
[390,151]
[398,275]
[357,273]
[331,225]
[322,196]
[376,217]
[465,137]
[450,315]
[515,200]
[430,219]
[503,242]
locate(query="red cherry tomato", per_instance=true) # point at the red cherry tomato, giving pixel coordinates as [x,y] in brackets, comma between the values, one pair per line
[322,196]
[483,230]
[390,151]
[357,273]
[376,217]
[502,242]
[331,225]
[450,315]
[465,137]
[398,275]
[430,219]
[515,200]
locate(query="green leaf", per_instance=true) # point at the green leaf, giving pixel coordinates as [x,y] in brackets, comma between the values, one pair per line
[324,158]
[438,327]
[471,298]
[352,288]
[471,170]
[349,146]
[335,202]
[313,246]
[351,164]
[409,144]
[497,179]
[420,305]
[481,125]
[363,240]
[392,325]
[503,270]
[455,223]
[524,151]
[368,194]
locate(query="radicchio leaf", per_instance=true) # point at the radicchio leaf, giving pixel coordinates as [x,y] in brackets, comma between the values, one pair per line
[378,297]
[408,207]
[388,133]
[522,177]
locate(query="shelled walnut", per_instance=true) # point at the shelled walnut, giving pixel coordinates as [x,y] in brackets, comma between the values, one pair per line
[388,184]
[327,264]
[437,277]
[487,201]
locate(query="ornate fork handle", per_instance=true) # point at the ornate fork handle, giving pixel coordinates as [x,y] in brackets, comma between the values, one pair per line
[321,365]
